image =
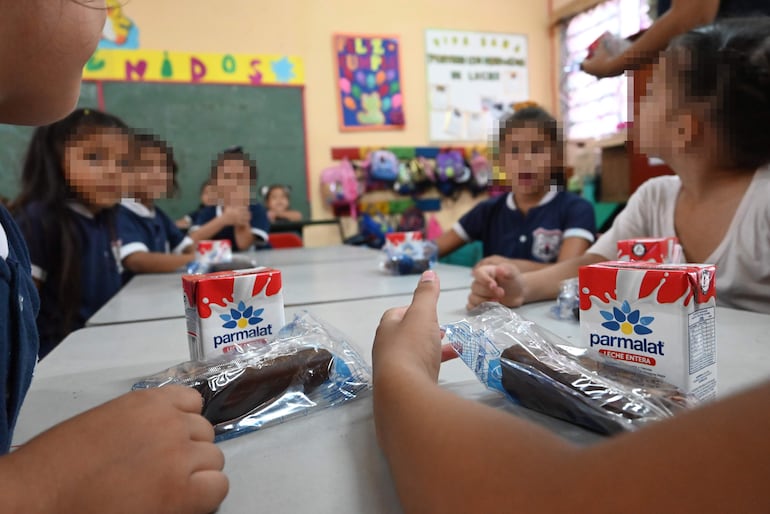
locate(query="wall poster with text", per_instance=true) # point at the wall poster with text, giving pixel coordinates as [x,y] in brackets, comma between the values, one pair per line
[473,78]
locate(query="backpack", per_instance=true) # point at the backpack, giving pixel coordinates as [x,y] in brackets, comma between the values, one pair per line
[412,220]
[383,166]
[481,173]
[340,184]
[449,167]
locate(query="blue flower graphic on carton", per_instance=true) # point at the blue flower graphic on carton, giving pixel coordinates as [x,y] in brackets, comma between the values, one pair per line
[626,320]
[242,316]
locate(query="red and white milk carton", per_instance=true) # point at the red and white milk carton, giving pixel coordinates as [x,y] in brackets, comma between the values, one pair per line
[232,307]
[657,319]
[651,249]
[214,251]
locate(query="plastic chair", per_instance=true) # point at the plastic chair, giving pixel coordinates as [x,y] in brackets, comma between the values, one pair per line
[285,240]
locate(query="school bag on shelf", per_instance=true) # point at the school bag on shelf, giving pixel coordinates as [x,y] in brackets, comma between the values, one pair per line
[340,185]
[383,166]
[481,173]
[449,167]
[412,220]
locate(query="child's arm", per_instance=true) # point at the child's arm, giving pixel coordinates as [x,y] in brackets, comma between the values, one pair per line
[257,229]
[131,465]
[231,216]
[244,237]
[287,215]
[448,242]
[683,16]
[571,248]
[448,454]
[506,284]
[157,262]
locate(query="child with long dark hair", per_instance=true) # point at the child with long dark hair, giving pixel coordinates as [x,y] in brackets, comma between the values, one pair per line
[70,183]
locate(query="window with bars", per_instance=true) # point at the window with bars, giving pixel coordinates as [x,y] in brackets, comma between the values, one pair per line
[594,108]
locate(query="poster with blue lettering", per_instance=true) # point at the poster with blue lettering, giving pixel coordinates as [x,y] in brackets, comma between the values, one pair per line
[369,91]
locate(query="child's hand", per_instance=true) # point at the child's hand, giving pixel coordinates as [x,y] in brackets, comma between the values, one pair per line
[271,216]
[410,336]
[146,451]
[493,260]
[237,216]
[496,283]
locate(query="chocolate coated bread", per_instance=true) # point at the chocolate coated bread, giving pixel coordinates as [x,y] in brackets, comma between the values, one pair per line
[227,399]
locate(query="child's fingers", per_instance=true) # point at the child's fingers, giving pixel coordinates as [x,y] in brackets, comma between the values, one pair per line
[395,314]
[447,353]
[423,307]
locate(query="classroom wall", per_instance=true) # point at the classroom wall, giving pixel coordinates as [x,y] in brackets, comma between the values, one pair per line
[305,27]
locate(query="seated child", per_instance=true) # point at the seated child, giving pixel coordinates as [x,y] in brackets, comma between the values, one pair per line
[705,113]
[534,225]
[234,217]
[150,242]
[208,198]
[72,179]
[277,204]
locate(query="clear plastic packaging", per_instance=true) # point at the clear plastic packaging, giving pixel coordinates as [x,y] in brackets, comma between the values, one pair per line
[310,366]
[568,302]
[508,354]
[407,253]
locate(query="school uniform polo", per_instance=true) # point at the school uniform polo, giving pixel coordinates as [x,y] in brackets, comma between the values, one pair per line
[537,236]
[99,267]
[19,305]
[141,229]
[260,224]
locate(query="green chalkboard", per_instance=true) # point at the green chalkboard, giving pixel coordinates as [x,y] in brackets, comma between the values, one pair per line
[199,121]
[14,141]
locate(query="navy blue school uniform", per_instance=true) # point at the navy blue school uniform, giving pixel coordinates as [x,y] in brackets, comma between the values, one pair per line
[99,268]
[19,305]
[260,224]
[141,229]
[504,230]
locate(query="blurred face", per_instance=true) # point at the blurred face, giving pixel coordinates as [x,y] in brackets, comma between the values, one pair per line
[233,183]
[209,195]
[93,166]
[277,200]
[654,106]
[152,173]
[527,156]
[44,45]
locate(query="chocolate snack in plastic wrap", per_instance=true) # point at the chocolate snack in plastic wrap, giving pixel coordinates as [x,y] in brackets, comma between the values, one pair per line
[509,355]
[308,367]
[228,398]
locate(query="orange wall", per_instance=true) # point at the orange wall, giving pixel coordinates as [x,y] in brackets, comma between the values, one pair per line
[304,28]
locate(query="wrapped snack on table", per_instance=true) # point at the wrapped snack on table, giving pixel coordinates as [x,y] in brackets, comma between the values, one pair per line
[407,253]
[307,368]
[208,253]
[508,354]
[568,302]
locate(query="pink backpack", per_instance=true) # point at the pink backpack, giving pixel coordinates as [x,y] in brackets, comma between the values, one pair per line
[340,184]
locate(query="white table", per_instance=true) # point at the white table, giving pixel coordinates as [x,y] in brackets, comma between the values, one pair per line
[336,253]
[338,468]
[159,296]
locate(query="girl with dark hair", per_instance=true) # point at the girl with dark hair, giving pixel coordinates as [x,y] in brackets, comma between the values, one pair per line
[713,458]
[705,113]
[71,180]
[234,218]
[278,204]
[150,241]
[537,223]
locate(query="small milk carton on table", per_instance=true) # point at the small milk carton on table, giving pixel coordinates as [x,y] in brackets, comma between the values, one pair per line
[658,319]
[661,250]
[227,308]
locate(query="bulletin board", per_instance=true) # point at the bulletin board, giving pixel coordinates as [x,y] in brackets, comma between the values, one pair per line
[198,121]
[473,78]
